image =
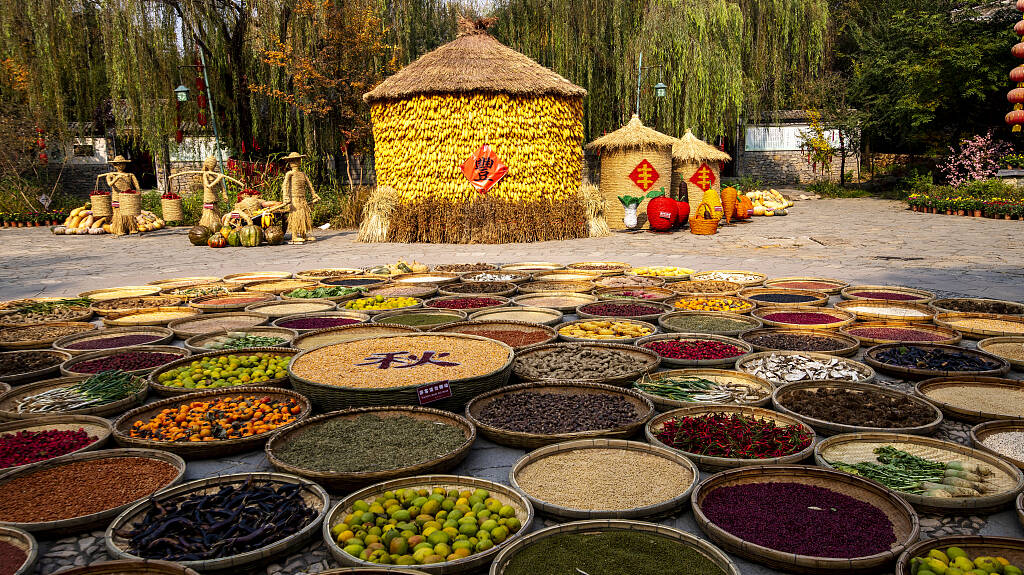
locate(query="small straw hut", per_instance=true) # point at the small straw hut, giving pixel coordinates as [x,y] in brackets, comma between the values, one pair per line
[690,154]
[635,159]
[430,123]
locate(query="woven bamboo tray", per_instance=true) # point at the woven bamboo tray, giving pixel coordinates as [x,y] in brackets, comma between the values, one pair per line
[46,341]
[163,334]
[348,333]
[454,316]
[35,374]
[668,507]
[852,344]
[92,521]
[101,308]
[662,308]
[652,329]
[189,327]
[129,319]
[765,387]
[525,440]
[567,275]
[518,277]
[818,299]
[506,495]
[195,343]
[962,412]
[333,397]
[358,316]
[619,293]
[126,567]
[267,308]
[531,267]
[635,281]
[503,289]
[844,318]
[952,337]
[649,358]
[183,282]
[866,371]
[748,306]
[693,287]
[665,321]
[9,400]
[280,286]
[857,447]
[170,391]
[834,289]
[221,288]
[785,393]
[905,522]
[972,305]
[571,286]
[200,302]
[949,319]
[68,367]
[714,464]
[673,362]
[348,481]
[920,296]
[438,302]
[707,550]
[982,431]
[551,317]
[419,291]
[327,273]
[368,281]
[984,345]
[372,312]
[572,300]
[119,292]
[1011,548]
[312,494]
[26,543]
[97,427]
[606,268]
[1001,366]
[707,275]
[434,278]
[876,310]
[250,277]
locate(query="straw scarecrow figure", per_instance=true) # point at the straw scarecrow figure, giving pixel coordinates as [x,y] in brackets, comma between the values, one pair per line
[250,206]
[211,179]
[121,183]
[296,191]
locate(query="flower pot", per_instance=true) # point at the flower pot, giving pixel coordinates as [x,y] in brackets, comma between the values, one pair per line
[977,213]
[959,212]
[949,212]
[1007,217]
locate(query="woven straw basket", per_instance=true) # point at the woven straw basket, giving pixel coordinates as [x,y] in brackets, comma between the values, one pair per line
[171,210]
[101,206]
[131,204]
[702,227]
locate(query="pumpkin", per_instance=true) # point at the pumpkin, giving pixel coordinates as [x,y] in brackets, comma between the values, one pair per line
[217,241]
[225,230]
[234,240]
[199,235]
[744,208]
[274,235]
[250,236]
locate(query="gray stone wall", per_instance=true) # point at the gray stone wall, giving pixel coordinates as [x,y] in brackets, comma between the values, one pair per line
[787,167]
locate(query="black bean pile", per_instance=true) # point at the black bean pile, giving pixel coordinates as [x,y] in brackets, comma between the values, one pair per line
[571,361]
[795,342]
[545,413]
[27,361]
[480,287]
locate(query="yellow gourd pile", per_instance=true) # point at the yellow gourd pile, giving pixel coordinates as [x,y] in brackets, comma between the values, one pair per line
[605,329]
[768,202]
[81,221]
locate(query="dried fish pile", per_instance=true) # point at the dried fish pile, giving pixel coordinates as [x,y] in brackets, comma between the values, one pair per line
[789,368]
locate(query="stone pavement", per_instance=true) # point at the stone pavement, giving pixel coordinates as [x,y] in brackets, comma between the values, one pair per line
[863,240]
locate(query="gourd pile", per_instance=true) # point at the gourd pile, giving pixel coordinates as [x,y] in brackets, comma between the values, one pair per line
[247,236]
[81,221]
[768,202]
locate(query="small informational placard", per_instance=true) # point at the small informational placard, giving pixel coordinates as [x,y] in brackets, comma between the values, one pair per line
[45,200]
[432,392]
[665,215]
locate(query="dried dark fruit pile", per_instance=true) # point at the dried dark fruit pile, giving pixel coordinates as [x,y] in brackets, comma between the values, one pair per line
[862,408]
[535,412]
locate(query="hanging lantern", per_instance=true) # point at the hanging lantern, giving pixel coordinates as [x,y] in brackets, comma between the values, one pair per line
[179,135]
[201,118]
[1017,74]
[1020,5]
[1015,96]
[40,143]
[201,98]
[1015,118]
[200,84]
[1018,50]
[43,158]
[1018,28]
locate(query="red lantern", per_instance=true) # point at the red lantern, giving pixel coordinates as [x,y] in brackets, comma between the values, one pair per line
[43,158]
[1016,96]
[201,99]
[1017,74]
[1018,50]
[179,136]
[201,118]
[662,213]
[1015,117]
[1018,28]
[200,84]
[1020,5]
[41,143]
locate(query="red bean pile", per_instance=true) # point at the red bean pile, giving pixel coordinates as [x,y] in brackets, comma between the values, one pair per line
[125,361]
[620,309]
[465,302]
[27,447]
[890,295]
[509,337]
[115,341]
[317,322]
[802,318]
[11,558]
[694,349]
[897,334]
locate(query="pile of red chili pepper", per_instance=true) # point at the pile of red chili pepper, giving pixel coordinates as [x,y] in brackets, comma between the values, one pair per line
[26,447]
[694,349]
[735,436]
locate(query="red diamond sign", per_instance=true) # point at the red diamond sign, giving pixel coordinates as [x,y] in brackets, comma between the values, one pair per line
[483,169]
[703,178]
[644,175]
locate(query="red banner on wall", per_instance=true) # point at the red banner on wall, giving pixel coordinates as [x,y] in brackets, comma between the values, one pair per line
[484,169]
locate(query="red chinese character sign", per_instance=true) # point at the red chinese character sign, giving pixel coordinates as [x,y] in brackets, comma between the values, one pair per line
[484,169]
[644,175]
[703,178]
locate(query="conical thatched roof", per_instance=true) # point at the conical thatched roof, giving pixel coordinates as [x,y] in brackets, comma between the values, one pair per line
[474,62]
[632,136]
[690,148]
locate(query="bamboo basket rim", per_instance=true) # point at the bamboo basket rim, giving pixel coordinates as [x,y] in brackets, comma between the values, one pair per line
[962,413]
[184,281]
[746,347]
[845,318]
[441,278]
[712,463]
[359,316]
[658,280]
[426,290]
[83,317]
[969,541]
[853,344]
[753,322]
[103,312]
[239,278]
[200,302]
[705,548]
[524,325]
[124,319]
[924,296]
[35,373]
[40,386]
[30,344]
[840,284]
[551,286]
[148,289]
[653,359]
[601,443]
[199,448]
[522,300]
[752,306]
[25,542]
[984,344]
[869,358]
[67,368]
[79,522]
[835,428]
[937,304]
[256,307]
[130,567]
[556,316]
[193,343]
[181,330]
[311,273]
[695,276]
[315,496]
[820,299]
[530,267]
[520,276]
[460,315]
[501,435]
[868,341]
[452,419]
[668,404]
[650,317]
[331,298]
[675,287]
[981,431]
[628,340]
[941,504]
[170,391]
[863,368]
[944,320]
[806,563]
[521,503]
[99,426]
[926,309]
[165,334]
[351,327]
[503,302]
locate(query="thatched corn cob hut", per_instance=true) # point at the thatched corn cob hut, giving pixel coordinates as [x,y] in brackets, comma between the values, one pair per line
[635,159]
[690,154]
[435,113]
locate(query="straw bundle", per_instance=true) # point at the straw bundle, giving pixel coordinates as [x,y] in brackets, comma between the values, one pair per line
[593,202]
[377,214]
[688,154]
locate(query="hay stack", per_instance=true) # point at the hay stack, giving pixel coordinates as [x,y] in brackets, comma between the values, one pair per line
[438,111]
[689,153]
[621,152]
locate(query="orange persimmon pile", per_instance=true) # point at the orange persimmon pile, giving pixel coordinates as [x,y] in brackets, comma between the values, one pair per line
[220,419]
